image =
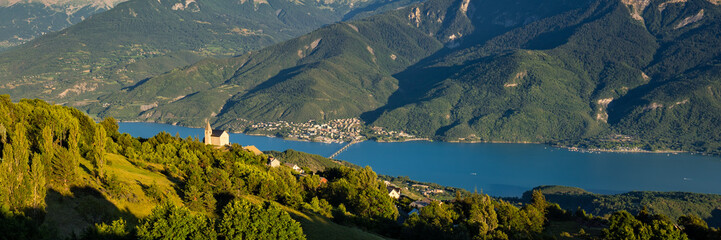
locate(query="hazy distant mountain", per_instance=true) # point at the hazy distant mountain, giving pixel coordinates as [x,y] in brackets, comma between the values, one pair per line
[23,20]
[142,38]
[629,73]
[70,3]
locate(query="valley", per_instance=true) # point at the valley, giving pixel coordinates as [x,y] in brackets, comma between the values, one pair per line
[554,119]
[527,78]
[442,70]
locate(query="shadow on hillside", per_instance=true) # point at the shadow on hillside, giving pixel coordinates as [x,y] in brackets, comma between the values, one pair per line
[417,80]
[280,77]
[75,212]
[715,219]
[85,168]
[221,200]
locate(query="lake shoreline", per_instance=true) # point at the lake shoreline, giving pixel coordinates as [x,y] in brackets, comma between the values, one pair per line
[569,148]
[497,169]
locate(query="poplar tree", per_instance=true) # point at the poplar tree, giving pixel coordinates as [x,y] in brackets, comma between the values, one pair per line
[38,169]
[38,182]
[99,151]
[46,149]
[6,176]
[74,149]
[64,163]
[15,180]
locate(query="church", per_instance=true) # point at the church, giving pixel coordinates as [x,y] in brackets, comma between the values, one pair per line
[215,137]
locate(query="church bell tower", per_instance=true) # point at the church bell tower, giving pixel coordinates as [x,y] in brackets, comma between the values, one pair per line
[208,133]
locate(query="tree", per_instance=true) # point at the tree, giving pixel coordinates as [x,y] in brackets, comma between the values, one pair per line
[665,230]
[38,168]
[7,179]
[98,151]
[694,226]
[111,127]
[198,200]
[435,221]
[16,191]
[37,174]
[481,215]
[245,220]
[170,222]
[117,230]
[538,200]
[515,223]
[361,192]
[71,161]
[623,226]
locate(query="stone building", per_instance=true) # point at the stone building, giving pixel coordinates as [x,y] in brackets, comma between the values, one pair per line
[215,137]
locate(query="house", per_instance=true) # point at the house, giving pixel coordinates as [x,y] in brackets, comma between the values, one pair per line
[215,137]
[294,167]
[433,191]
[323,180]
[393,192]
[420,203]
[253,150]
[272,162]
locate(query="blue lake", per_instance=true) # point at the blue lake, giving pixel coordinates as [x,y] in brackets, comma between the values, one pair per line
[500,169]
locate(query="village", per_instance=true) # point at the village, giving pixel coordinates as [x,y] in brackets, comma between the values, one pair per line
[333,131]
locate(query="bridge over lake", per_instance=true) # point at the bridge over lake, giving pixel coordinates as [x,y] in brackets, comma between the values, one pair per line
[343,149]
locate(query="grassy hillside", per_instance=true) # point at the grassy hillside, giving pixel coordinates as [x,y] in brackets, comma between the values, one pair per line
[85,205]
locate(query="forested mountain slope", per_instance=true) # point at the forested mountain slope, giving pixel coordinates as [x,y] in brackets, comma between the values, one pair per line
[579,75]
[597,73]
[348,67]
[143,38]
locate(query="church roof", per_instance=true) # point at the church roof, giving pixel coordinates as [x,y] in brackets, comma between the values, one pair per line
[217,133]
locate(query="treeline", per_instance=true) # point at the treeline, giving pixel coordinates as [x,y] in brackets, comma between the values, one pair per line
[230,193]
[623,225]
[672,204]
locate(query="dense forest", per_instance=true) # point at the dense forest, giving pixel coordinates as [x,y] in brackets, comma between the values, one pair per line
[59,165]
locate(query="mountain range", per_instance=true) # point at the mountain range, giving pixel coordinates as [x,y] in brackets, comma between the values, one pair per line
[594,73]
[143,38]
